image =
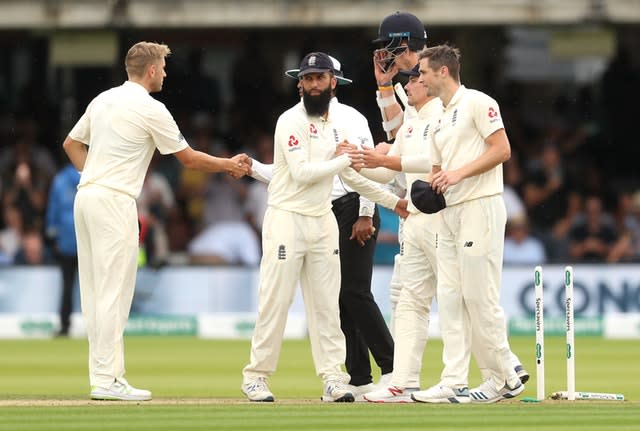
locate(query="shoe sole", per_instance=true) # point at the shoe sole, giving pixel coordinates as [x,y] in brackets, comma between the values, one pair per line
[507,396]
[452,400]
[107,397]
[265,400]
[346,398]
[397,400]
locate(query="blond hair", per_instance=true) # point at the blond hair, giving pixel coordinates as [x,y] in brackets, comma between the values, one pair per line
[143,54]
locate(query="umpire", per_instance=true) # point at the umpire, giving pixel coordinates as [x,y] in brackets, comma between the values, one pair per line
[361,321]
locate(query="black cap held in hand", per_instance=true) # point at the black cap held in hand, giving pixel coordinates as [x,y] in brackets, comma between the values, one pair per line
[425,198]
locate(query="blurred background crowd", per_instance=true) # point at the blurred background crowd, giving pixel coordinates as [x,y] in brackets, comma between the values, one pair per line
[571,187]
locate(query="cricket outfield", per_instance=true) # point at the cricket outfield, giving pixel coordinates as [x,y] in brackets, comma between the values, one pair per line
[195,383]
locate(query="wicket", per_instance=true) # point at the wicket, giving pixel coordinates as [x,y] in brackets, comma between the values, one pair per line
[570,393]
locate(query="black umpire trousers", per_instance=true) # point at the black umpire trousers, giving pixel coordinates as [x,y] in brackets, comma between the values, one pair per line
[69,266]
[362,323]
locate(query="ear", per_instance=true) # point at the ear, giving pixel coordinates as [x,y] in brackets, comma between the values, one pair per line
[334,82]
[151,71]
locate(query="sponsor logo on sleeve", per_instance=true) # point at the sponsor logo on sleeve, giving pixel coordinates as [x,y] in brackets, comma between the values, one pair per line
[180,137]
[493,114]
[294,143]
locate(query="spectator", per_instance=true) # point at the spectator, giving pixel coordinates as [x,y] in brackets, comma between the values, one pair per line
[10,236]
[61,230]
[226,243]
[155,202]
[520,247]
[627,248]
[593,233]
[256,202]
[27,191]
[33,250]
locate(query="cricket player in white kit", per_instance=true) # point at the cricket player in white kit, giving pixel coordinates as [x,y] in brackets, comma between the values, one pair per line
[300,236]
[112,144]
[469,146]
[409,153]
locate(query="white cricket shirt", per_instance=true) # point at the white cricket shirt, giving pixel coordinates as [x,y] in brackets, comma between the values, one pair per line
[413,142]
[469,118]
[122,127]
[305,163]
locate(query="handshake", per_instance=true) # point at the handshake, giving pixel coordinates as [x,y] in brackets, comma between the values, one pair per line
[364,157]
[238,165]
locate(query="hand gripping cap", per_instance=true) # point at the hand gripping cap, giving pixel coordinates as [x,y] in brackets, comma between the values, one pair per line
[425,198]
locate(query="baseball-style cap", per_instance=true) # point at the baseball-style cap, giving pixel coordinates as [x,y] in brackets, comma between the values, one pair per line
[411,72]
[336,67]
[425,198]
[398,26]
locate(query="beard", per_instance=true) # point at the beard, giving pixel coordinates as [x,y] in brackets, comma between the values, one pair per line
[317,105]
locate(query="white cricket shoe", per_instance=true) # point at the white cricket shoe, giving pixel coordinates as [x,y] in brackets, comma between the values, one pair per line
[385,380]
[120,390]
[486,393]
[359,391]
[391,394]
[440,394]
[522,373]
[258,390]
[336,391]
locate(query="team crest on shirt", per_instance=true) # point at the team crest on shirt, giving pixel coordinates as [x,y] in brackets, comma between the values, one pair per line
[313,131]
[493,114]
[409,132]
[294,143]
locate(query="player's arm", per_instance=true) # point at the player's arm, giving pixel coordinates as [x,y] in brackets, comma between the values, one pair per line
[76,151]
[237,166]
[390,109]
[293,141]
[373,191]
[261,171]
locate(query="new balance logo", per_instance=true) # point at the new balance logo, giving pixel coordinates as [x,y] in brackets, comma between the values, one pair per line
[282,252]
[468,244]
[395,391]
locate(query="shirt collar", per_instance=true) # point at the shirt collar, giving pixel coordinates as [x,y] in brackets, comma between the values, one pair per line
[135,86]
[457,96]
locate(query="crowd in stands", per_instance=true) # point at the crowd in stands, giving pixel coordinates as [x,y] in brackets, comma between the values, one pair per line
[568,199]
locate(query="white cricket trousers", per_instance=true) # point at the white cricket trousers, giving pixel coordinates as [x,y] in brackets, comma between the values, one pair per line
[106,224]
[418,275]
[305,249]
[470,248]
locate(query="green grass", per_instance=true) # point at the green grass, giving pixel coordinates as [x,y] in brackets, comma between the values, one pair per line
[195,380]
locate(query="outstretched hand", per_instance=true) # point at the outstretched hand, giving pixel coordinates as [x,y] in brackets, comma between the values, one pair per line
[239,166]
[367,158]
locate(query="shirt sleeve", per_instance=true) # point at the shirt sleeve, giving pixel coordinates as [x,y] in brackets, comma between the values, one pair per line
[293,141]
[486,115]
[261,172]
[434,150]
[81,131]
[164,130]
[360,134]
[369,189]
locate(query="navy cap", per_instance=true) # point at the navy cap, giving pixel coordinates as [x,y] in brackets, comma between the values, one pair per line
[401,25]
[411,72]
[425,198]
[315,62]
[337,71]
